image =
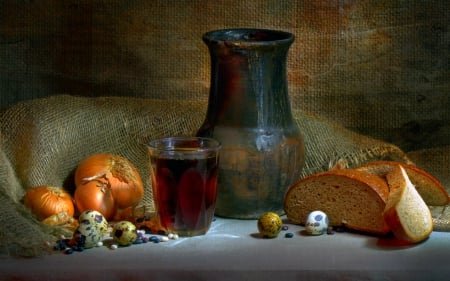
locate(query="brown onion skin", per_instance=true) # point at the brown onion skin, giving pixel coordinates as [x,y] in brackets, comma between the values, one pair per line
[124,179]
[45,201]
[95,195]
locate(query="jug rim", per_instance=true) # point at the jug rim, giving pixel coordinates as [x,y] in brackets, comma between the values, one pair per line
[248,36]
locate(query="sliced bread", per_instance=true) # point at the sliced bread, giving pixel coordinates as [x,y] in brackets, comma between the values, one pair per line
[351,198]
[406,213]
[431,190]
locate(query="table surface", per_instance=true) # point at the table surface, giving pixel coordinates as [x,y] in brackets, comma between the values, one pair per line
[232,249]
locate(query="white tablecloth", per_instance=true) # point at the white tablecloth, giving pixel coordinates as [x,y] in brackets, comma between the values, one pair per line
[233,250]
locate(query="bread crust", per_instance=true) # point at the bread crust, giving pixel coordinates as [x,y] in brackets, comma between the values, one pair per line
[351,198]
[430,188]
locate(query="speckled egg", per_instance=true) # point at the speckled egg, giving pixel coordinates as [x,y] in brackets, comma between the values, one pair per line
[269,225]
[91,217]
[124,233]
[87,235]
[316,223]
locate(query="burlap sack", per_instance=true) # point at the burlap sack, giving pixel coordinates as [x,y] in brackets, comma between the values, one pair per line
[436,160]
[43,140]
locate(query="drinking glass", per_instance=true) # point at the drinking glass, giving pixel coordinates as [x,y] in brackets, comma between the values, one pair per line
[184,182]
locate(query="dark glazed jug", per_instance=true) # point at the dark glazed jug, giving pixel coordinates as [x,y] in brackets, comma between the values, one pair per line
[249,113]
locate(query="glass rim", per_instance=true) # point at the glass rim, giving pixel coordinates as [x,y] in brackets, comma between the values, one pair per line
[169,144]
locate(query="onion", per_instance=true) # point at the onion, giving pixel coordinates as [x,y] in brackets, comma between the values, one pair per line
[45,201]
[95,195]
[122,177]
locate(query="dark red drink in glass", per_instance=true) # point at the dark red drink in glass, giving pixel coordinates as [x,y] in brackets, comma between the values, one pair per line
[184,182]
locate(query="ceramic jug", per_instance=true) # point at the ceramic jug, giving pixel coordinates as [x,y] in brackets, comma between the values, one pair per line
[249,112]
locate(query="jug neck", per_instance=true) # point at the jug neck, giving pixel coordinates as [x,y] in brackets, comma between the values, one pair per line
[248,78]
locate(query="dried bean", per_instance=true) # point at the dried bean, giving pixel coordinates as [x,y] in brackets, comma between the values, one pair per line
[154,239]
[289,235]
[330,230]
[138,241]
[68,251]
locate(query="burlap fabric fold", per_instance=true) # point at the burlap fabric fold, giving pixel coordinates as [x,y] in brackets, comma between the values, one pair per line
[43,140]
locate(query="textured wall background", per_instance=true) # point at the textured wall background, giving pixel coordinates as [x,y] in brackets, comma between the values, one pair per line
[378,67]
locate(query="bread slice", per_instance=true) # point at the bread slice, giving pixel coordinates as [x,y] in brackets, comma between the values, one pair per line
[406,213]
[431,190]
[351,198]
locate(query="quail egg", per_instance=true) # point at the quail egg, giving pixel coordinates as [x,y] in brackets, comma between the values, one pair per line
[92,217]
[269,225]
[87,235]
[316,223]
[124,233]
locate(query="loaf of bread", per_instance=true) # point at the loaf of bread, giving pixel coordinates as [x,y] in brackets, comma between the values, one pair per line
[406,213]
[429,188]
[350,198]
